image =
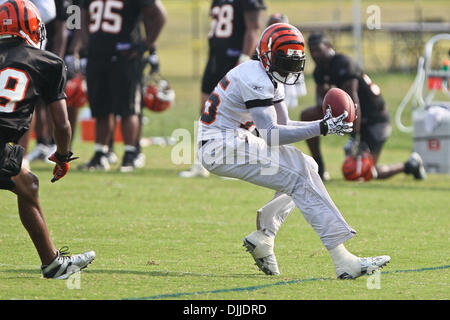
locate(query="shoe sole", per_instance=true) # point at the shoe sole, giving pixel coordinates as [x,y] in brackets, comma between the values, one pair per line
[127,169]
[346,276]
[67,275]
[250,247]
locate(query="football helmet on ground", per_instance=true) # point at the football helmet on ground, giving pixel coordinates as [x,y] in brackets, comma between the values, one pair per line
[76,92]
[158,95]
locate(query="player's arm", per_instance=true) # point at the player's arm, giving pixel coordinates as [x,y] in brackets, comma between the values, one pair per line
[351,87]
[154,17]
[54,84]
[321,90]
[265,119]
[253,25]
[62,132]
[80,36]
[60,38]
[283,115]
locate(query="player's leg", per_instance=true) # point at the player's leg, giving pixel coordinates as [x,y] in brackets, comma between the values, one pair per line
[100,98]
[260,243]
[26,186]
[312,114]
[73,116]
[44,142]
[124,81]
[272,215]
[140,156]
[295,174]
[375,136]
[24,141]
[209,81]
[130,131]
[30,212]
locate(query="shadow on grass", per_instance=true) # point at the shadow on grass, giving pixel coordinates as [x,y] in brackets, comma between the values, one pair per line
[385,185]
[139,173]
[30,272]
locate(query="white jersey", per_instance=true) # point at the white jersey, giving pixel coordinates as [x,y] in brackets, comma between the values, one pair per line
[47,9]
[244,87]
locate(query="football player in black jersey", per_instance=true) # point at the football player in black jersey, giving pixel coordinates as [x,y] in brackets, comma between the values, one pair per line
[235,29]
[29,75]
[113,69]
[56,43]
[372,126]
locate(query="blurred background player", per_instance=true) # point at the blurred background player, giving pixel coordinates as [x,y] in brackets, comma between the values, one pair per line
[372,127]
[235,29]
[29,75]
[114,70]
[291,93]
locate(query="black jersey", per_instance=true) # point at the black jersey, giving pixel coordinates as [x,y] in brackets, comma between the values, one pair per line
[27,75]
[228,25]
[112,23]
[342,68]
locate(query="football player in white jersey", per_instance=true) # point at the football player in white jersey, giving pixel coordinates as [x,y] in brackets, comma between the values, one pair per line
[245,132]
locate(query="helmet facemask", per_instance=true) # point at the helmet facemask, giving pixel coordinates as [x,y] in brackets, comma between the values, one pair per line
[281,53]
[287,69]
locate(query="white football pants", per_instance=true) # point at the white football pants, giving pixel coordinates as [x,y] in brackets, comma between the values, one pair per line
[287,171]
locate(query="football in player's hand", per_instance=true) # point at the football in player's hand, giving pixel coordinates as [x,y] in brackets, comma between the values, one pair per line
[339,101]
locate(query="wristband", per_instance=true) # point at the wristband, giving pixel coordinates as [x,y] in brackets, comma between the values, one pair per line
[323,128]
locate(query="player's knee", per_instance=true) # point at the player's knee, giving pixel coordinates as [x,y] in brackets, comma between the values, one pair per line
[311,114]
[311,164]
[28,184]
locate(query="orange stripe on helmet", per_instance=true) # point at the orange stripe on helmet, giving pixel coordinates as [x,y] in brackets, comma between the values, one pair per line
[21,18]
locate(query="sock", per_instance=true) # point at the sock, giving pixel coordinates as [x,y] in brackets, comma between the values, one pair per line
[342,258]
[101,148]
[43,140]
[129,148]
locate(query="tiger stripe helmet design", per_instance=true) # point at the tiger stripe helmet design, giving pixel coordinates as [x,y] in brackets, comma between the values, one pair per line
[281,50]
[21,18]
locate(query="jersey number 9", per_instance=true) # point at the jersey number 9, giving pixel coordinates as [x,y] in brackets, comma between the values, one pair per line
[13,86]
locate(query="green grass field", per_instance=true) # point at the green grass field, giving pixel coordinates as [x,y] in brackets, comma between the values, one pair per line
[161,237]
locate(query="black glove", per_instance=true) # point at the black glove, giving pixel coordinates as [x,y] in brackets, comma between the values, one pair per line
[153,61]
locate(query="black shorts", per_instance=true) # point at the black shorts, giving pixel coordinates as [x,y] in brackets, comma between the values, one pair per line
[114,86]
[10,164]
[375,135]
[216,68]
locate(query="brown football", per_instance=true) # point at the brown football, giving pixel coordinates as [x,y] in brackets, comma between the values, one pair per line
[339,101]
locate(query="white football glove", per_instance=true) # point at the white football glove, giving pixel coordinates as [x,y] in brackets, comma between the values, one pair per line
[337,125]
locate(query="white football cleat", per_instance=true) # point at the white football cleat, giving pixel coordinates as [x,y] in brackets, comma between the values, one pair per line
[197,170]
[38,153]
[51,150]
[112,157]
[260,247]
[361,266]
[139,161]
[63,266]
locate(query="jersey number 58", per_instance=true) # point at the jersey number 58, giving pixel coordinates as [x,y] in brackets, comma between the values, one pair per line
[222,23]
